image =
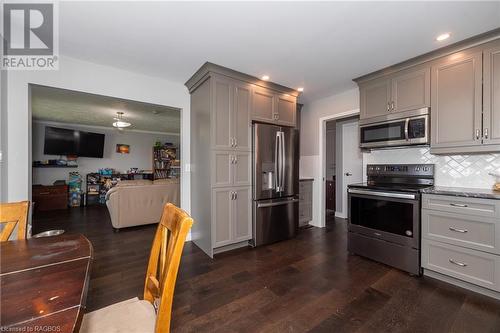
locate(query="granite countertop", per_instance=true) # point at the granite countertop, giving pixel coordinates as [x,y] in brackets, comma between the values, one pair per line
[482,193]
[306,179]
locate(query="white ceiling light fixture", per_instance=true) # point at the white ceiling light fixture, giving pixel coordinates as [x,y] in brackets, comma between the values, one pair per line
[265,77]
[443,37]
[120,121]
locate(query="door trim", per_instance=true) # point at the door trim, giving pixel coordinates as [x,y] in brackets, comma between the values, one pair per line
[320,190]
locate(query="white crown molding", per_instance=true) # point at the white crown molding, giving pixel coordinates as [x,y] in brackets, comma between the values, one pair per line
[56,123]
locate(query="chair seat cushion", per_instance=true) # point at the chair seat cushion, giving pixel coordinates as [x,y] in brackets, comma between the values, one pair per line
[133,315]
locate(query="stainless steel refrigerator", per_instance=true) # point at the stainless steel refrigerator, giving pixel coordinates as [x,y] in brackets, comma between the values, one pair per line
[275,183]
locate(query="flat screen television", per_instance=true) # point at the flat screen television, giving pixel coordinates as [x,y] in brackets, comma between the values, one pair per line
[63,141]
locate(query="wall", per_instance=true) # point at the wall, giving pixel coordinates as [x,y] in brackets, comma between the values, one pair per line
[140,155]
[310,164]
[330,150]
[3,136]
[88,77]
[451,170]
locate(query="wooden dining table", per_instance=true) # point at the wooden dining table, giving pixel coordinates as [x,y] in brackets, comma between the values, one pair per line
[44,283]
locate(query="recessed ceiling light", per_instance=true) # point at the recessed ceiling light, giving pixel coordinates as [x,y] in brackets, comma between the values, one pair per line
[300,89]
[442,37]
[265,77]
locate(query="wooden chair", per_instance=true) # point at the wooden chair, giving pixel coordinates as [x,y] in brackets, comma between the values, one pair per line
[153,314]
[12,214]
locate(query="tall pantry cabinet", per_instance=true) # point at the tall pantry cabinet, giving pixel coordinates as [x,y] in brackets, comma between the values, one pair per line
[222,110]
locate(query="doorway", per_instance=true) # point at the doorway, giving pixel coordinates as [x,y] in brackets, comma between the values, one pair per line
[342,162]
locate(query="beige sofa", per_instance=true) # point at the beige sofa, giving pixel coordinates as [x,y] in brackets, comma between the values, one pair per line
[138,202]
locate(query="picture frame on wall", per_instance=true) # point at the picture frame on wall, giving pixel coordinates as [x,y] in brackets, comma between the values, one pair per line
[122,148]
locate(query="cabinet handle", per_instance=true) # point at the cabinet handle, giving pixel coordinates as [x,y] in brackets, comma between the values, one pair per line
[43,193]
[461,264]
[463,231]
[388,106]
[486,133]
[478,134]
[235,142]
[235,159]
[235,195]
[392,106]
[232,195]
[459,205]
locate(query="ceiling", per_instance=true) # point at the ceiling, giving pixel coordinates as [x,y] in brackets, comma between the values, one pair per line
[73,107]
[318,45]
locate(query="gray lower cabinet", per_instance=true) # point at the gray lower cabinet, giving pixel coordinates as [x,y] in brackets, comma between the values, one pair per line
[305,201]
[461,239]
[232,214]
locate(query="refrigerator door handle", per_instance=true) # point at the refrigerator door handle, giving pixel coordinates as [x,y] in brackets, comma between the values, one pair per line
[282,172]
[276,158]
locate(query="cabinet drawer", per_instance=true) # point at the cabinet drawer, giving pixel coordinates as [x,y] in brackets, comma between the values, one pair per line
[50,190]
[462,205]
[305,186]
[474,232]
[482,269]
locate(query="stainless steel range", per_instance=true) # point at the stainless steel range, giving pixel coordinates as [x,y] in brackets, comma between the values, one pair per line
[384,214]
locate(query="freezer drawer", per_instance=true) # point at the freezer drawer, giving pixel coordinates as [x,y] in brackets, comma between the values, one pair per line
[275,220]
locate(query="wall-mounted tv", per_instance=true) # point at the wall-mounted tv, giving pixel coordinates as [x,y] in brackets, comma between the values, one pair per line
[63,141]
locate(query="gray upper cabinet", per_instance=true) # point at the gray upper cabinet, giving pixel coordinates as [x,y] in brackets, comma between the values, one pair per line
[411,90]
[272,107]
[263,107]
[375,98]
[222,115]
[242,124]
[491,106]
[286,110]
[403,91]
[456,108]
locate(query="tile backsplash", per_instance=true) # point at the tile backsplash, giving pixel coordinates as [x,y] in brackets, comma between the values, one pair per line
[450,170]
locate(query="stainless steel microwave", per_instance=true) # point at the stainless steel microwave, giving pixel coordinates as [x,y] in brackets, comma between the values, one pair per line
[412,129]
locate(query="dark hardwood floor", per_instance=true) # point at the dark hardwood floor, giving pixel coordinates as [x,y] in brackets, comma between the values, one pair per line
[309,283]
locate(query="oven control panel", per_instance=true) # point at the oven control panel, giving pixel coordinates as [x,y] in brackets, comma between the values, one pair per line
[417,170]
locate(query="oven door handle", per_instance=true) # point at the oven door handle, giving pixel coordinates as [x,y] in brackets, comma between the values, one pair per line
[383,194]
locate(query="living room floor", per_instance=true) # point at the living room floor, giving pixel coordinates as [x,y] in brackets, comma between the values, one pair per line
[309,283]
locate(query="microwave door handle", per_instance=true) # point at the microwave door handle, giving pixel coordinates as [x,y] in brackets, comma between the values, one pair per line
[407,124]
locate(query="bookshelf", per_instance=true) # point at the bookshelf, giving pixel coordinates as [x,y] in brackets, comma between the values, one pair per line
[164,162]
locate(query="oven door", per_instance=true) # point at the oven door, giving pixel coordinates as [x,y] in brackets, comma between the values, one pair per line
[391,133]
[390,216]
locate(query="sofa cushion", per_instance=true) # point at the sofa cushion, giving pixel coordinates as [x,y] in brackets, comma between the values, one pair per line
[136,182]
[166,181]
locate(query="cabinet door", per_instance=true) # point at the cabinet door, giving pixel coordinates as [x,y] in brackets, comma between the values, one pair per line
[242,169]
[491,111]
[242,217]
[374,98]
[222,117]
[242,123]
[262,104]
[222,210]
[222,168]
[456,101]
[286,110]
[411,90]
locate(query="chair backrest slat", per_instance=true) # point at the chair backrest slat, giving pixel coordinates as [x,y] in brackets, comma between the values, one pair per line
[164,262]
[12,214]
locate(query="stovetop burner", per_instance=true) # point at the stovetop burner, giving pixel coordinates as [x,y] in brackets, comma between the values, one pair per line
[398,177]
